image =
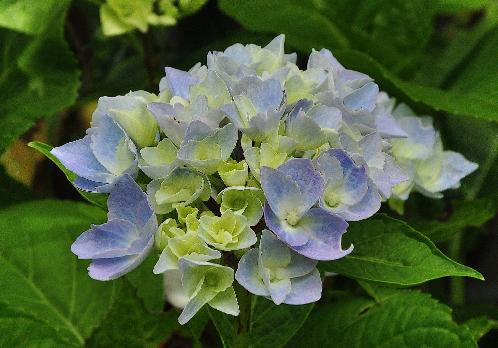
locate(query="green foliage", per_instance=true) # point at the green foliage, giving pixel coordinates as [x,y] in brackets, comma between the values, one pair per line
[402,318]
[480,326]
[465,214]
[437,56]
[269,325]
[39,74]
[129,324]
[389,251]
[41,278]
[149,286]
[380,27]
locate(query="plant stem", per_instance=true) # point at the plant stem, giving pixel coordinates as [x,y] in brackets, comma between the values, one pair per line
[244,319]
[457,286]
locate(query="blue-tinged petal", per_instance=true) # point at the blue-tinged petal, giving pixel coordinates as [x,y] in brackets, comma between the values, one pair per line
[363,99]
[248,274]
[287,233]
[113,239]
[112,268]
[324,231]
[265,95]
[421,138]
[282,193]
[111,146]
[305,289]
[272,252]
[327,117]
[78,157]
[305,131]
[354,182]
[309,181]
[365,208]
[91,186]
[179,82]
[165,117]
[325,60]
[279,289]
[127,201]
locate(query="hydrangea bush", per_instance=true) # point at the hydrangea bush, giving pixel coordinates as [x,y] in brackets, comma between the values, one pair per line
[248,170]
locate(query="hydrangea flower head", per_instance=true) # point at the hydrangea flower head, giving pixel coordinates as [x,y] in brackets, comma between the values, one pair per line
[250,160]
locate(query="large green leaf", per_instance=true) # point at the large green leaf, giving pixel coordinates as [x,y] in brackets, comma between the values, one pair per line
[480,326]
[99,199]
[270,325]
[149,286]
[130,324]
[42,279]
[27,16]
[389,251]
[465,214]
[307,26]
[403,318]
[39,75]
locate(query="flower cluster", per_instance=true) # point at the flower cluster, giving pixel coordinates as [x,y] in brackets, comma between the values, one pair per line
[251,169]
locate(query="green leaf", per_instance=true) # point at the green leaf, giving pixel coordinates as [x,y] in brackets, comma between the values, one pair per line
[42,279]
[18,325]
[130,324]
[98,199]
[274,326]
[12,191]
[149,286]
[465,214]
[39,75]
[270,325]
[406,318]
[480,326]
[27,16]
[392,31]
[444,58]
[459,103]
[306,27]
[388,251]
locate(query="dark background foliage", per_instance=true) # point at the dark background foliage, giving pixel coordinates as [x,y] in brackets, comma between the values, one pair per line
[440,57]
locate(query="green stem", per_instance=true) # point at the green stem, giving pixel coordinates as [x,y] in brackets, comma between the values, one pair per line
[457,286]
[244,319]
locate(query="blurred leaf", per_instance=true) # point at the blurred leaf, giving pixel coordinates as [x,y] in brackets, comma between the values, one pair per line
[27,16]
[391,31]
[478,141]
[459,103]
[98,199]
[388,251]
[129,324]
[405,318]
[271,326]
[460,5]
[42,278]
[306,27]
[465,214]
[479,327]
[39,75]
[11,191]
[480,76]
[445,56]
[149,285]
